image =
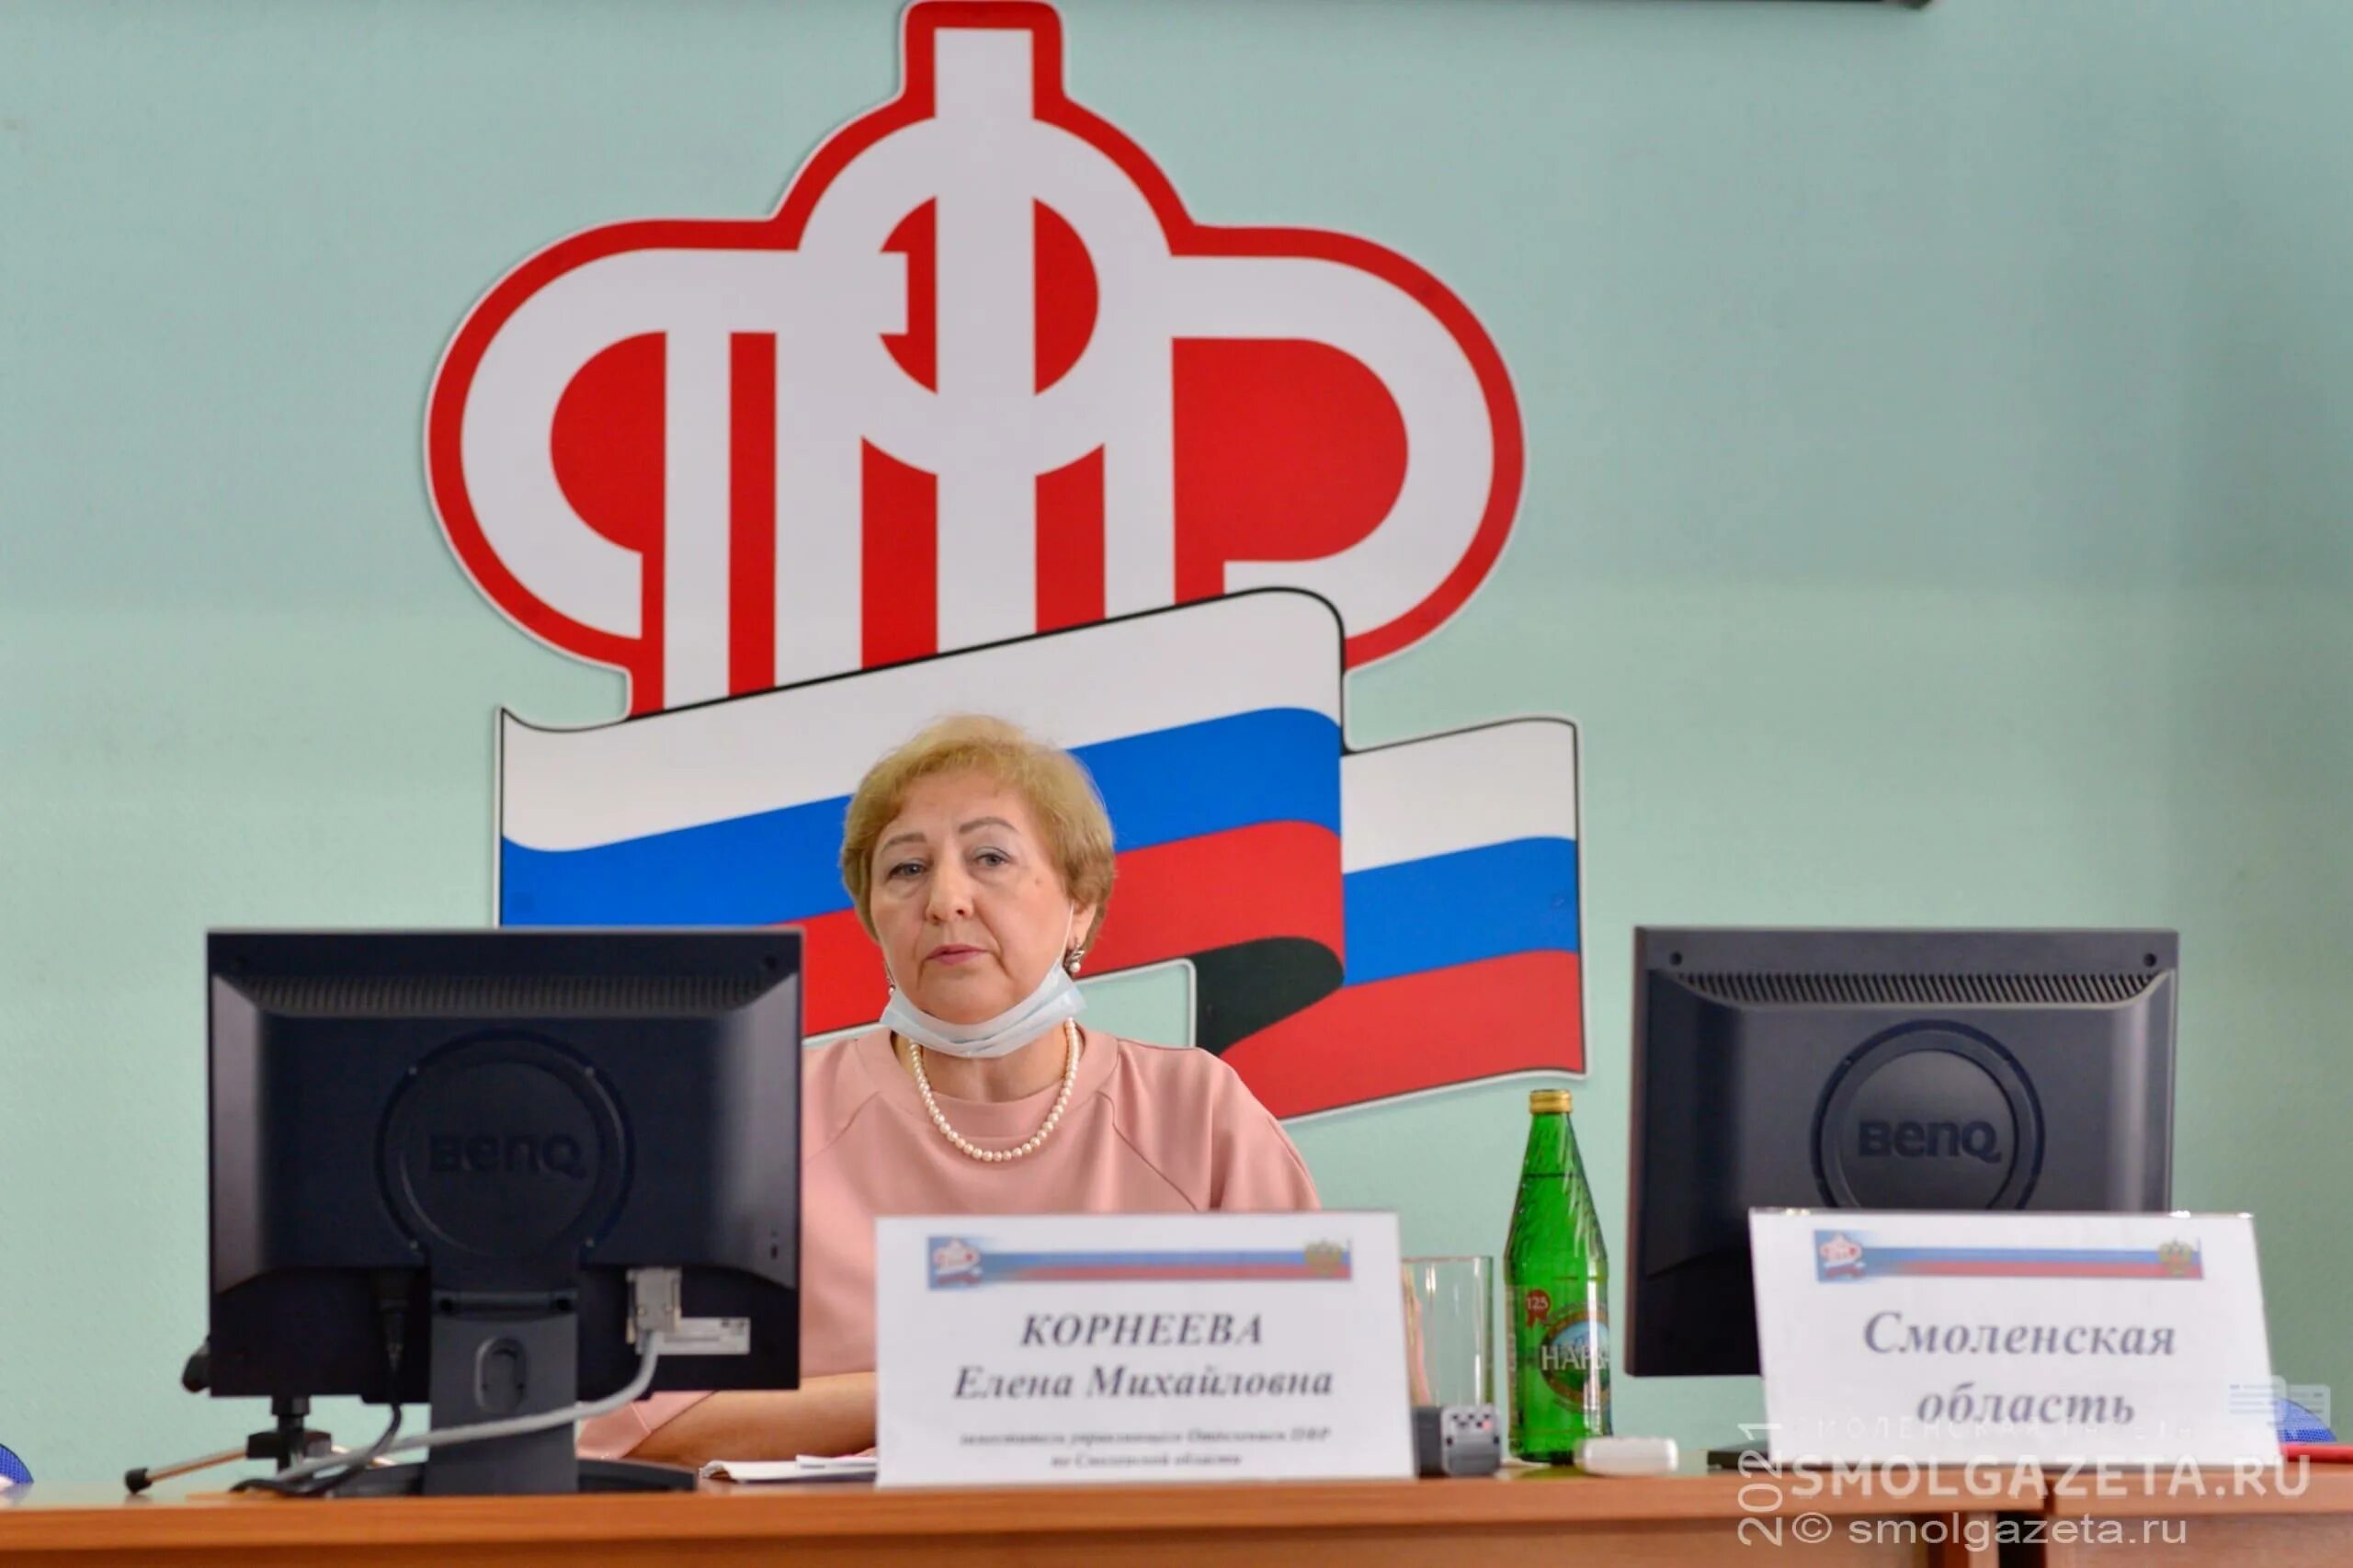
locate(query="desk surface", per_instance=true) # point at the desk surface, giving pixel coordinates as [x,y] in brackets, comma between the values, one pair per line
[2287,1518]
[2301,1517]
[1519,1517]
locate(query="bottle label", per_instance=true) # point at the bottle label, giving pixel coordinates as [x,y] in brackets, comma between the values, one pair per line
[1571,1347]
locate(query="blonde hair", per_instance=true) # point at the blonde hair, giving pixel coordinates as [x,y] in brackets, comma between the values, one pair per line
[1054,784]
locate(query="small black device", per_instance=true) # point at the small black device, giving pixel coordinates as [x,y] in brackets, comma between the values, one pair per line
[1876,1069]
[1457,1439]
[438,1157]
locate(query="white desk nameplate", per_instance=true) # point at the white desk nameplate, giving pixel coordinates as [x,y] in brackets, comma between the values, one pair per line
[2009,1337]
[1126,1347]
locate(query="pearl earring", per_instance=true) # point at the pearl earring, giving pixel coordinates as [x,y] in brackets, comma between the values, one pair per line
[1071,959]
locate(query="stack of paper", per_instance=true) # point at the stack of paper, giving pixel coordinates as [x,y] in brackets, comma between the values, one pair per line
[808,1467]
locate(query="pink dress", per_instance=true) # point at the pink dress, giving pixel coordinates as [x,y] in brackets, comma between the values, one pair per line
[1150,1129]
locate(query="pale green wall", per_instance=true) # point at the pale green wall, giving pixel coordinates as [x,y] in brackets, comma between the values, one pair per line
[1938,431]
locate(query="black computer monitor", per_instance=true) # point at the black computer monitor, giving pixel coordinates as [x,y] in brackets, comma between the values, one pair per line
[447,1151]
[1942,1070]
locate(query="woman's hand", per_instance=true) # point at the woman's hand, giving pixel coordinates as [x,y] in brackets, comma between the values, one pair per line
[824,1416]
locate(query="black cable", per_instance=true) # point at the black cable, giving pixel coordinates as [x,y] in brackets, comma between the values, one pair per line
[327,1481]
[392,1311]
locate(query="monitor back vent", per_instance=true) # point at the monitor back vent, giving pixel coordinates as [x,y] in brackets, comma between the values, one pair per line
[498,996]
[1922,990]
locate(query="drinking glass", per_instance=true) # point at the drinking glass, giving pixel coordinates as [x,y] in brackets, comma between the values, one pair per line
[1451,1330]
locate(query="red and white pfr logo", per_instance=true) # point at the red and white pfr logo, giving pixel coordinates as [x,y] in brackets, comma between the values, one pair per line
[953,1261]
[979,376]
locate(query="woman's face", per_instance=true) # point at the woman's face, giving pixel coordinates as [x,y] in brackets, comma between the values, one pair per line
[966,900]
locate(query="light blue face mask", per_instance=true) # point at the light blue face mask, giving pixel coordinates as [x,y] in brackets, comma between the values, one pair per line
[1056,998]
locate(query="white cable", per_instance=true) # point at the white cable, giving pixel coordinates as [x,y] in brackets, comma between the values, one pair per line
[512,1426]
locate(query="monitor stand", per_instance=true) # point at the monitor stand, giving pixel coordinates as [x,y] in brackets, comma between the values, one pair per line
[499,1355]
[594,1475]
[1751,1458]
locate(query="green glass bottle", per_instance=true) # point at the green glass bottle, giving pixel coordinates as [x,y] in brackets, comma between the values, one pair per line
[1556,1280]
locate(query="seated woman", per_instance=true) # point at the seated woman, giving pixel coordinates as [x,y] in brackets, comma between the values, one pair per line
[980,862]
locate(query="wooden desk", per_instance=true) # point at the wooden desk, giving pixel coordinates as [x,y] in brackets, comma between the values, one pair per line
[2298,1519]
[1523,1517]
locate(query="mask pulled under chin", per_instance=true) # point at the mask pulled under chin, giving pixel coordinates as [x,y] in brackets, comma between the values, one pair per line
[1057,998]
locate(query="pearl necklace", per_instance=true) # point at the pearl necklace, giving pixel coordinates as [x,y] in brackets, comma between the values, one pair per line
[1028,1145]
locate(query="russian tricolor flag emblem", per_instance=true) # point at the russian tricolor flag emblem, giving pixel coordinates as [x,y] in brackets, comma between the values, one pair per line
[1357,925]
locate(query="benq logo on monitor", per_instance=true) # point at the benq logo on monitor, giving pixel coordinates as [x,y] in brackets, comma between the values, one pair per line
[489,1154]
[1929,1116]
[1930,1140]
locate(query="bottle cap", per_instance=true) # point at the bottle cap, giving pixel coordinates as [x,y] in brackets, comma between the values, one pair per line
[1542,1102]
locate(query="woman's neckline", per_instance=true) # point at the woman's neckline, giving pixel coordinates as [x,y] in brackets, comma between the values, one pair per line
[983,1122]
